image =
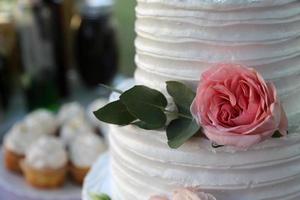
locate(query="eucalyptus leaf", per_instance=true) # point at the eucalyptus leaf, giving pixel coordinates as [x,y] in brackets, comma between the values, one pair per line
[115,113]
[180,130]
[277,134]
[146,104]
[100,197]
[183,96]
[145,126]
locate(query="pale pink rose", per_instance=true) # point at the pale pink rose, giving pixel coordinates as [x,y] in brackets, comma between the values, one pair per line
[156,197]
[236,107]
[189,194]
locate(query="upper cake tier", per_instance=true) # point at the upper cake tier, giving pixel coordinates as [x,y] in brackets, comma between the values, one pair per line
[179,39]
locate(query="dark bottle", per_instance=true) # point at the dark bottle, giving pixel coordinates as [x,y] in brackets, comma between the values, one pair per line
[57,27]
[39,76]
[96,46]
[7,42]
[5,83]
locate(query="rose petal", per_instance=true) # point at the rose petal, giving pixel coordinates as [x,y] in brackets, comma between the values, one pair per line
[228,70]
[243,102]
[269,123]
[240,141]
[222,89]
[248,116]
[235,106]
[272,93]
[283,125]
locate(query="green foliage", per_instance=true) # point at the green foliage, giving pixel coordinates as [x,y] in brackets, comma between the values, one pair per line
[146,108]
[183,96]
[115,113]
[146,126]
[180,130]
[100,197]
[146,104]
[277,134]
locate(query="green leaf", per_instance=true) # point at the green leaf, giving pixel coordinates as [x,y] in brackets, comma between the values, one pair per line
[277,134]
[115,113]
[145,126]
[180,130]
[183,96]
[146,104]
[100,197]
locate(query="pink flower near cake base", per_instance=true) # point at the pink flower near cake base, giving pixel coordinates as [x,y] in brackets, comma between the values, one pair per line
[236,107]
[189,194]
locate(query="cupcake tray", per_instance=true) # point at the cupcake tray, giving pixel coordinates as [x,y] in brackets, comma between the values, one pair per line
[14,187]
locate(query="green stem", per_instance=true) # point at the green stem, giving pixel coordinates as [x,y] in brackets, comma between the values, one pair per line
[172,112]
[178,114]
[111,88]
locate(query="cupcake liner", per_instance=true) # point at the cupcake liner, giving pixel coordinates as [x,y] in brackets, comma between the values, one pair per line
[44,178]
[12,161]
[78,173]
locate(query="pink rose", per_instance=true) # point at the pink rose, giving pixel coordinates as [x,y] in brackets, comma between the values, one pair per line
[189,194]
[236,107]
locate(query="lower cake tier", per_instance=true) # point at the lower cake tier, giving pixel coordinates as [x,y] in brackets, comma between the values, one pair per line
[143,165]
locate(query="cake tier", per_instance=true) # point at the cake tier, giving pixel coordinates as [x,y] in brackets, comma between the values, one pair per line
[143,165]
[179,39]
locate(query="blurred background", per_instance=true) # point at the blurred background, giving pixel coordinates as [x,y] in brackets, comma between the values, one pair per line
[56,51]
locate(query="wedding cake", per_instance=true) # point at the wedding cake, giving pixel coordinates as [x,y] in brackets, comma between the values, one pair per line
[181,39]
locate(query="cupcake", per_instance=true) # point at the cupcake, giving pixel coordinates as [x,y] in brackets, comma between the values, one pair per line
[73,127]
[16,142]
[84,151]
[45,163]
[42,121]
[69,111]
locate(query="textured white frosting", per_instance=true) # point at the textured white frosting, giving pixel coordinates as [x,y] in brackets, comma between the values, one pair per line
[85,149]
[69,111]
[143,165]
[47,153]
[219,4]
[76,125]
[180,39]
[42,121]
[20,137]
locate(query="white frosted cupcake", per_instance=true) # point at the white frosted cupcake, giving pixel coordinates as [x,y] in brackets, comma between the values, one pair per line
[42,121]
[84,151]
[69,111]
[45,163]
[16,142]
[73,127]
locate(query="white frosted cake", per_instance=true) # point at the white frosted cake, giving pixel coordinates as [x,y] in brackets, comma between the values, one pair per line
[179,40]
